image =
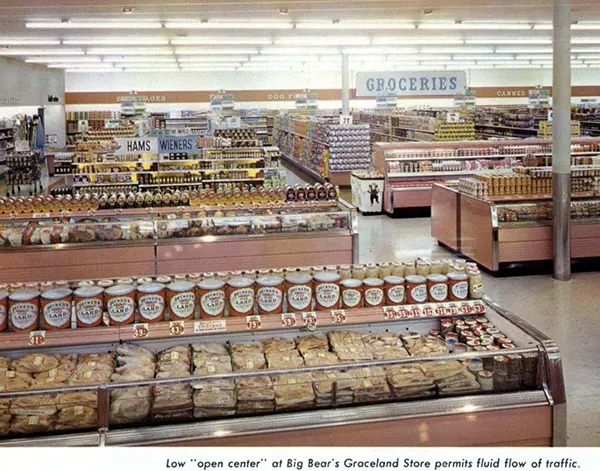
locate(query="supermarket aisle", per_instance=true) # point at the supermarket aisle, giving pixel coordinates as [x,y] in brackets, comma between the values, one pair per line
[567,312]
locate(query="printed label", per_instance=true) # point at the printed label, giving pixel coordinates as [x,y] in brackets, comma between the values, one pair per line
[57,313]
[373,296]
[242,300]
[269,298]
[461,290]
[299,297]
[151,306]
[476,289]
[253,323]
[419,293]
[288,319]
[2,315]
[23,315]
[327,294]
[218,325]
[140,331]
[37,337]
[439,291]
[176,327]
[89,311]
[121,308]
[351,297]
[338,316]
[396,294]
[183,305]
[213,302]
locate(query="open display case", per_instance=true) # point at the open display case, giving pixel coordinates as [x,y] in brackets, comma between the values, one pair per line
[497,230]
[129,242]
[411,169]
[316,378]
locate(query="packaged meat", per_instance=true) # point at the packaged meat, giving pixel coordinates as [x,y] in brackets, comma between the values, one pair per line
[31,424]
[36,363]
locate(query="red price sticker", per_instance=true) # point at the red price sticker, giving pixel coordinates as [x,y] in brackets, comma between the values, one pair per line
[253,322]
[478,307]
[428,310]
[338,316]
[176,327]
[140,331]
[405,313]
[309,318]
[288,319]
[13,215]
[118,211]
[391,313]
[37,337]
[91,212]
[66,214]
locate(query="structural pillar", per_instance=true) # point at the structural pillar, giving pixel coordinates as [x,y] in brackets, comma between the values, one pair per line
[345,85]
[561,139]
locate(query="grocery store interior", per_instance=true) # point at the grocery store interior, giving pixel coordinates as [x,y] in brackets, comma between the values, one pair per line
[350,210]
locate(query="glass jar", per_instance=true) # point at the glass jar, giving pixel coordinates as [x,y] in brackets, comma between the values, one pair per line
[416,289]
[240,296]
[398,269]
[89,306]
[269,294]
[181,299]
[352,293]
[346,272]
[151,302]
[395,290]
[458,286]
[437,288]
[120,304]
[211,298]
[385,269]
[327,290]
[56,309]
[299,292]
[24,310]
[359,272]
[372,271]
[373,292]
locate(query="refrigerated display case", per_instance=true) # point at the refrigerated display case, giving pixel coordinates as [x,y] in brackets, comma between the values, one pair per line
[498,230]
[129,242]
[369,377]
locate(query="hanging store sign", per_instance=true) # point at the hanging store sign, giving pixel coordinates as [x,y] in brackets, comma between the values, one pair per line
[178,144]
[441,83]
[136,145]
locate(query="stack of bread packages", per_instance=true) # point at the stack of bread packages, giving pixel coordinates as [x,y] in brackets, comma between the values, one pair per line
[213,398]
[5,416]
[254,395]
[132,405]
[451,378]
[365,384]
[173,402]
[315,352]
[292,391]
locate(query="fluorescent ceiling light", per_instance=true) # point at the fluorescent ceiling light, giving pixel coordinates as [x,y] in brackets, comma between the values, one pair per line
[152,69]
[457,50]
[543,26]
[28,42]
[298,58]
[64,60]
[142,63]
[542,62]
[108,69]
[41,52]
[455,63]
[116,42]
[579,66]
[474,57]
[93,25]
[585,49]
[204,65]
[368,58]
[208,69]
[220,41]
[212,59]
[508,41]
[163,51]
[324,41]
[588,56]
[355,25]
[523,50]
[381,50]
[299,50]
[467,26]
[533,56]
[500,62]
[417,42]
[71,65]
[581,40]
[229,25]
[585,26]
[218,51]
[409,57]
[530,66]
[138,59]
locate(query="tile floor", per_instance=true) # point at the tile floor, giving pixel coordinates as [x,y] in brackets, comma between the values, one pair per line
[568,312]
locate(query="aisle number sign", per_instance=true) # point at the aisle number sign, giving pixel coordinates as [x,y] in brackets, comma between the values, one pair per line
[428,83]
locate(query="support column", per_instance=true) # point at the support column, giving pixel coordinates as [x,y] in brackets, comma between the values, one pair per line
[561,140]
[345,85]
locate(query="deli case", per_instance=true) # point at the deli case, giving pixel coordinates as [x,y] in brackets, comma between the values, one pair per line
[133,242]
[386,375]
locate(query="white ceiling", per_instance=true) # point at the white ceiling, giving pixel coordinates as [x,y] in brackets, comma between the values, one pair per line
[431,43]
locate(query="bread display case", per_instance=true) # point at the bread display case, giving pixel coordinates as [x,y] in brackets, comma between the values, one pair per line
[130,242]
[498,230]
[390,374]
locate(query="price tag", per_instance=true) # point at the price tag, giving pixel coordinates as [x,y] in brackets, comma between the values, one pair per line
[288,319]
[22,146]
[466,309]
[391,313]
[253,322]
[40,215]
[233,122]
[427,310]
[176,327]
[91,212]
[309,318]
[13,215]
[66,214]
[345,119]
[37,337]
[140,331]
[203,327]
[404,312]
[118,211]
[338,316]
